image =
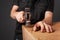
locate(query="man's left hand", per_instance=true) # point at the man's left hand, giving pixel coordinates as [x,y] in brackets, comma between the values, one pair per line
[44,27]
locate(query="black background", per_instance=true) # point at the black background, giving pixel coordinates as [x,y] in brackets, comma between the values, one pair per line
[7,25]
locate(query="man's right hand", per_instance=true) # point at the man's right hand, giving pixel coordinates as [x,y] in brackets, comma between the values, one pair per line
[20,16]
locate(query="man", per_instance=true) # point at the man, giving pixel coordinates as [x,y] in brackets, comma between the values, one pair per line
[41,9]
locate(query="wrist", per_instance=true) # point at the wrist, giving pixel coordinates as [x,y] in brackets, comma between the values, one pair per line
[47,22]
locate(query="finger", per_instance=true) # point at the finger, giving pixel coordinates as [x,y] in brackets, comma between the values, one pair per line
[34,28]
[22,17]
[46,27]
[19,17]
[20,20]
[38,27]
[21,12]
[42,26]
[50,28]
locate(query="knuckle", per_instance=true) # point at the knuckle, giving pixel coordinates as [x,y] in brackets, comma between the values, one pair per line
[21,11]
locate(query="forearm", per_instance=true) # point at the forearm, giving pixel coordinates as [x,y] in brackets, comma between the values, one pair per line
[13,11]
[48,17]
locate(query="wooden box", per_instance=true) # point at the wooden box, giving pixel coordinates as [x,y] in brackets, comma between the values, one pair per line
[28,34]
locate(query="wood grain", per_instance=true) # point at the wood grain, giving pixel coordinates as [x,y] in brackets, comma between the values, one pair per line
[28,34]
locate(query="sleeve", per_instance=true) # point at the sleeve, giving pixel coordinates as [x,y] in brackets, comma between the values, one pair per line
[15,2]
[50,5]
[41,5]
[40,8]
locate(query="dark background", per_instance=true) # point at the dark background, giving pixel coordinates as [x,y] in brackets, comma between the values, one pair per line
[7,25]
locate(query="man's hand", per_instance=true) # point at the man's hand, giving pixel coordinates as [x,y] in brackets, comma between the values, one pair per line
[20,16]
[44,27]
[45,24]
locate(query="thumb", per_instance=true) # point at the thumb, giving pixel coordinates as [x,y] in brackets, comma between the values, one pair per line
[21,12]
